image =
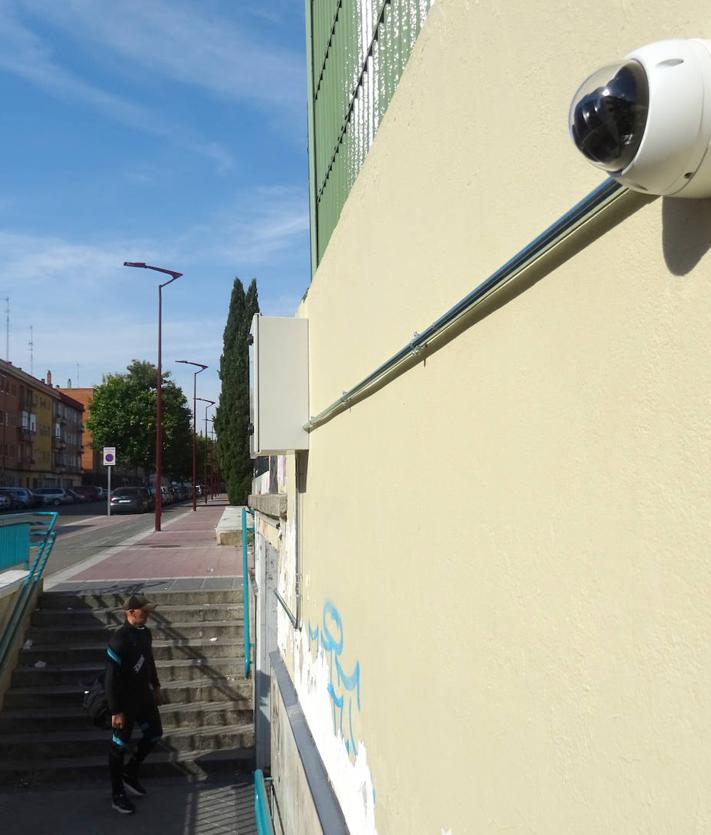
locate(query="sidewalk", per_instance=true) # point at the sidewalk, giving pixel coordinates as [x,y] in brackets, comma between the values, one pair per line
[184,556]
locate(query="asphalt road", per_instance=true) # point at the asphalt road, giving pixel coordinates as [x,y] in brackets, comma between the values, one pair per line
[83,531]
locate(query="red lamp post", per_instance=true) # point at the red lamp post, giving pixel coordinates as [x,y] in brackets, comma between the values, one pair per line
[159,380]
[200,368]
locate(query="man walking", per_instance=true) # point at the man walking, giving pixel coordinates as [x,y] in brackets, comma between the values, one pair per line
[133,693]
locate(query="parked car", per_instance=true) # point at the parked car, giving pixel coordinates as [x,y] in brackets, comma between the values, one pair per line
[22,497]
[131,500]
[78,496]
[184,492]
[6,502]
[54,496]
[15,503]
[88,492]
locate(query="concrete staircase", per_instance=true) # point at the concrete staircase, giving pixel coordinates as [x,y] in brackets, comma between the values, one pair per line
[198,644]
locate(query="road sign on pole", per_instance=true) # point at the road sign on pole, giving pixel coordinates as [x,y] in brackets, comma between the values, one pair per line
[109,461]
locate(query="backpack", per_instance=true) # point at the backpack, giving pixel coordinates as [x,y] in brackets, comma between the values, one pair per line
[96,704]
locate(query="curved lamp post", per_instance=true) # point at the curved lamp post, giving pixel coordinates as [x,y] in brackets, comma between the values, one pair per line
[159,379]
[213,468]
[209,404]
[201,367]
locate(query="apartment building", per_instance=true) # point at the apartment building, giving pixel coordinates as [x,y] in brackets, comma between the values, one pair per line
[483,588]
[91,465]
[41,432]
[67,440]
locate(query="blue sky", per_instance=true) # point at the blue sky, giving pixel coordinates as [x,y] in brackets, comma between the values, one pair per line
[164,131]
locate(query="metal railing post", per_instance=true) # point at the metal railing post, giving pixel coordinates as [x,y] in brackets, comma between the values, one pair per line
[261,806]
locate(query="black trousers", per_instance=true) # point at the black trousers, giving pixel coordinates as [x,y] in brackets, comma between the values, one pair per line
[143,713]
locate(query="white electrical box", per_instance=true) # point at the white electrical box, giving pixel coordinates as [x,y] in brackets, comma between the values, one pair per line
[278,385]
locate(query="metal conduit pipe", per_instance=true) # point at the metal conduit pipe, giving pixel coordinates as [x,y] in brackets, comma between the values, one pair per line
[595,202]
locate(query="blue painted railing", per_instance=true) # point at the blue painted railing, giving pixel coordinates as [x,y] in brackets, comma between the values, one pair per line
[261,805]
[33,552]
[245,591]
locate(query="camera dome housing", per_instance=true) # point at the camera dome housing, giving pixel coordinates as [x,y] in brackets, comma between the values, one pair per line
[647,120]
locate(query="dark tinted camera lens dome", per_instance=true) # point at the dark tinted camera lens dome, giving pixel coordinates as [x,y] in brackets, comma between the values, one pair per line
[609,113]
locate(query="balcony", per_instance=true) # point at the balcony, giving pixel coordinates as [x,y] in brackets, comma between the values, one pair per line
[25,433]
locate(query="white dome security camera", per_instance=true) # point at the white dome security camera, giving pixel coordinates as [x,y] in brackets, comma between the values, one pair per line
[647,120]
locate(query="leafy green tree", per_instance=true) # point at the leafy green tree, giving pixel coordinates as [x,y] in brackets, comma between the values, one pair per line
[232,414]
[123,414]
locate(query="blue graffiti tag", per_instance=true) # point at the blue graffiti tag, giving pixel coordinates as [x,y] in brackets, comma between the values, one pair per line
[343,688]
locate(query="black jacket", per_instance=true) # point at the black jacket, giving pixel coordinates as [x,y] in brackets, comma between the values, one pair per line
[130,668]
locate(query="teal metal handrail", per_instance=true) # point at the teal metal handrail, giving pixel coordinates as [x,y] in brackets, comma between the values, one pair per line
[41,540]
[261,805]
[245,591]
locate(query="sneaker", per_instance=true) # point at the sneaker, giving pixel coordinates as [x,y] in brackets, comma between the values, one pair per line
[122,804]
[131,783]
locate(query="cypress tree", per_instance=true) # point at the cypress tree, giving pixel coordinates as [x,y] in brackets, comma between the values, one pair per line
[232,414]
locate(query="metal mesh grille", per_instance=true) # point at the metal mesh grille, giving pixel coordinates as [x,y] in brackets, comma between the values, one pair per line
[358,50]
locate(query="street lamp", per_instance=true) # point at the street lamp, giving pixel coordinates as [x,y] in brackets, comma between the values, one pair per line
[201,367]
[215,466]
[209,403]
[159,379]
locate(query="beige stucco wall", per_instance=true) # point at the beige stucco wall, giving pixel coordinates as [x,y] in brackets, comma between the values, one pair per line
[515,533]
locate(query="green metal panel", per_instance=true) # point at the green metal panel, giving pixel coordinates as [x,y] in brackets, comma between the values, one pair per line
[14,543]
[356,53]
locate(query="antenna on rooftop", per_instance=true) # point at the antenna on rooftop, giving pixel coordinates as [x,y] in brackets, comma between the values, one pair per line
[6,299]
[31,346]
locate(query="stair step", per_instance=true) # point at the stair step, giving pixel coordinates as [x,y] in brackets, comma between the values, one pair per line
[95,653]
[114,598]
[100,634]
[196,714]
[179,669]
[93,742]
[195,764]
[186,613]
[233,689]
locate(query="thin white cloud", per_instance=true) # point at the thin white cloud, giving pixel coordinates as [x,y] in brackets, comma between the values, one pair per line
[264,225]
[185,43]
[34,260]
[24,54]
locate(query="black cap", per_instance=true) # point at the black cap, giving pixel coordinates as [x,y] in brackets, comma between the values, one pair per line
[138,601]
